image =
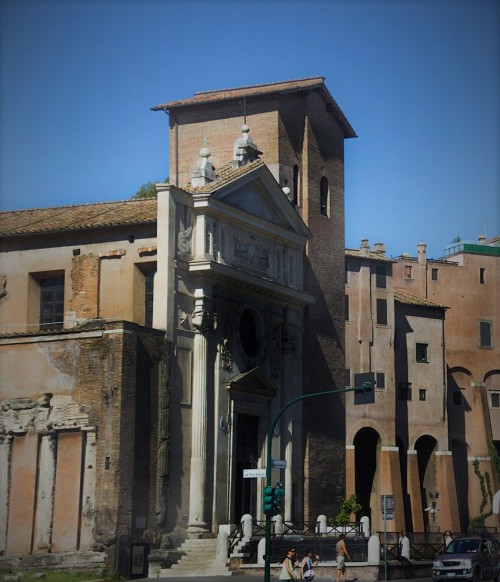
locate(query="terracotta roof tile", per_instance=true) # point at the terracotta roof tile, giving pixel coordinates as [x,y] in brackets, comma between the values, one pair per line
[224,175]
[372,255]
[292,86]
[78,217]
[409,298]
[239,92]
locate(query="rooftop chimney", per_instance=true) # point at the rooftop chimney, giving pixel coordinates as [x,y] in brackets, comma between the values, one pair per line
[422,253]
[365,247]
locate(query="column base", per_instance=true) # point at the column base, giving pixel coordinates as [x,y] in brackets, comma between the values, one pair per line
[198,529]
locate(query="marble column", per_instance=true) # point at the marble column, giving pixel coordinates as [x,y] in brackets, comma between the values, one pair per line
[5,453]
[45,493]
[202,323]
[88,490]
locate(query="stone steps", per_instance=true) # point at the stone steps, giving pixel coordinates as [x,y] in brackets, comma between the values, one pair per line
[199,559]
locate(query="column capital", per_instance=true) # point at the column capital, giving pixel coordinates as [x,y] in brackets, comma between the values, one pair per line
[204,319]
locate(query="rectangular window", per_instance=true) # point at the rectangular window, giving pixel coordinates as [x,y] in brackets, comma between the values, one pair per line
[422,394]
[407,272]
[404,391]
[52,302]
[347,376]
[457,398]
[421,353]
[380,379]
[381,276]
[481,276]
[485,334]
[434,274]
[495,399]
[346,273]
[382,311]
[346,307]
[149,275]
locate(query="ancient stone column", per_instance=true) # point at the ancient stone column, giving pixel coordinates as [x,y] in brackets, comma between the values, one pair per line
[88,490]
[5,452]
[45,493]
[202,321]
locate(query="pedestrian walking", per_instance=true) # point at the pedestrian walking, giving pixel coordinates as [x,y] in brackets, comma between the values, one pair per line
[307,566]
[447,539]
[288,564]
[405,553]
[342,554]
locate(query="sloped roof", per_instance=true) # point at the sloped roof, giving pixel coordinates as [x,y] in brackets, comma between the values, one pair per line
[105,214]
[77,217]
[409,298]
[225,175]
[292,86]
[372,255]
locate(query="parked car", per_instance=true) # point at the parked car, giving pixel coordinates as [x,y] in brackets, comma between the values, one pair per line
[468,558]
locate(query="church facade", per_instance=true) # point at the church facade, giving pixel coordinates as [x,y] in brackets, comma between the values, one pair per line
[148,344]
[146,347]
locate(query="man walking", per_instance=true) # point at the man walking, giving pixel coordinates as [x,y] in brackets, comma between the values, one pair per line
[342,554]
[404,553]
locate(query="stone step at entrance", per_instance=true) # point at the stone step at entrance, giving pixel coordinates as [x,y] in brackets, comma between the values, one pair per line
[199,559]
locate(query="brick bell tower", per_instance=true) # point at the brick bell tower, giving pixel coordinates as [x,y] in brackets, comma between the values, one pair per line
[300,130]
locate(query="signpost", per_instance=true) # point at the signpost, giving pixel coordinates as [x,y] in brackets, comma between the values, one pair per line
[387,503]
[366,387]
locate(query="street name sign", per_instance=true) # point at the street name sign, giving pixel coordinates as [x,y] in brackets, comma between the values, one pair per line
[253,473]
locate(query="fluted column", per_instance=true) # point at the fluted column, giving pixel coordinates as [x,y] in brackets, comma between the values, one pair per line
[202,322]
[45,494]
[5,452]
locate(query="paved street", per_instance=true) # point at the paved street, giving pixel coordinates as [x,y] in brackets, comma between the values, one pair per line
[252,578]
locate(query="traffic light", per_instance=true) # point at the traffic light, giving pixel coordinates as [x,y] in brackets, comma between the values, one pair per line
[268,503]
[272,499]
[279,493]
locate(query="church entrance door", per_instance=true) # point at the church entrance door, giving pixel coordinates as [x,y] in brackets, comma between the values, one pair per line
[246,456]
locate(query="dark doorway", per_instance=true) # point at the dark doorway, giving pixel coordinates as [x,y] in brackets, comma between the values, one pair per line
[365,443]
[247,454]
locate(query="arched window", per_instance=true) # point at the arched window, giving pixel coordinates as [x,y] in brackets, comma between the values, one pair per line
[295,191]
[324,196]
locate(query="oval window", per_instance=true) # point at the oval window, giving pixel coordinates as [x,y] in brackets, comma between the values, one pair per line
[250,332]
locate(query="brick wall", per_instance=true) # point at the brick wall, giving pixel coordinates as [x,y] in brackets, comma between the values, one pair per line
[84,298]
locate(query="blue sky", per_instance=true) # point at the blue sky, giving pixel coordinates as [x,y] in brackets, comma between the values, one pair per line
[419,82]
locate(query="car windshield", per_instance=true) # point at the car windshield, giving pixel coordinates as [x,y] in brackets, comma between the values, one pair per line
[462,547]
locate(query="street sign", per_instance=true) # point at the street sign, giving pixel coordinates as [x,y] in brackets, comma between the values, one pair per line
[387,503]
[253,473]
[278,464]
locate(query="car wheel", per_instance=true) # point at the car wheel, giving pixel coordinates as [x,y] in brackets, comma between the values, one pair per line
[477,575]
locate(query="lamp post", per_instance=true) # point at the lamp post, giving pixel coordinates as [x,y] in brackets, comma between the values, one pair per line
[366,387]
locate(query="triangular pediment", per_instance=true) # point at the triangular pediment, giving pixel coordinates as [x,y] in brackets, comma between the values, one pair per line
[254,382]
[258,194]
